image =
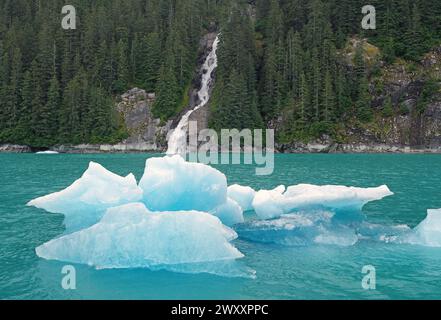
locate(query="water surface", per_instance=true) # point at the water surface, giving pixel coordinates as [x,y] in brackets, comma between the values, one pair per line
[308,272]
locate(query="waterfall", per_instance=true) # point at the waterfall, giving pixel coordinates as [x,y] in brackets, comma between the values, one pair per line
[177,143]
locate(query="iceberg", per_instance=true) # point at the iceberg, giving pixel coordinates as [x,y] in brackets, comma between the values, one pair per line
[173,184]
[230,213]
[85,201]
[428,232]
[336,197]
[300,229]
[244,196]
[269,204]
[131,236]
[180,218]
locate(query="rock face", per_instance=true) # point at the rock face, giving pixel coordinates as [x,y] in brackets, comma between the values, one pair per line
[414,126]
[146,132]
[14,148]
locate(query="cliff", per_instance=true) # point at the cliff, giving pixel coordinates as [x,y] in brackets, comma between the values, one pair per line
[412,121]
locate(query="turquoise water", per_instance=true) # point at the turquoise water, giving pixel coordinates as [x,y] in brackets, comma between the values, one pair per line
[308,272]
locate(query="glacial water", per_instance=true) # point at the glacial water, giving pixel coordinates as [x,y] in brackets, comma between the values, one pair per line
[282,272]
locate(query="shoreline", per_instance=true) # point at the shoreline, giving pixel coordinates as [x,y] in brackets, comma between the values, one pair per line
[294,149]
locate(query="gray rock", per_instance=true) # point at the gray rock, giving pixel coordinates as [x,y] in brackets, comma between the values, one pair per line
[146,132]
[14,148]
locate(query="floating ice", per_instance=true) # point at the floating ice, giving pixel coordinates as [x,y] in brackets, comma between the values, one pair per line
[86,200]
[177,218]
[270,204]
[381,233]
[244,196]
[47,152]
[230,213]
[131,236]
[172,184]
[336,197]
[428,232]
[300,229]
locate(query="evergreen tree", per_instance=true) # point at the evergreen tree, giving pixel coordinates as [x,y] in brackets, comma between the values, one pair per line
[151,63]
[122,79]
[328,99]
[23,132]
[12,90]
[363,104]
[388,110]
[414,36]
[167,91]
[45,124]
[294,58]
[277,59]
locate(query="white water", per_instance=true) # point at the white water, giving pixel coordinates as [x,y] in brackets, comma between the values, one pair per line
[177,143]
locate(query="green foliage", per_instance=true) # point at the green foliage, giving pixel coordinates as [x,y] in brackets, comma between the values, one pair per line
[234,102]
[56,86]
[431,87]
[388,110]
[282,61]
[168,93]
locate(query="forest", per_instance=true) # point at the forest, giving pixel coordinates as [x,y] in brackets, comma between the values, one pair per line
[276,57]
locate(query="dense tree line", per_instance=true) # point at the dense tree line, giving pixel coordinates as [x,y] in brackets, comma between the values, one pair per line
[276,57]
[58,86]
[299,70]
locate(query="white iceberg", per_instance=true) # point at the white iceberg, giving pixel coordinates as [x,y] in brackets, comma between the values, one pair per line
[244,196]
[270,204]
[428,232]
[86,200]
[336,197]
[131,236]
[230,213]
[47,152]
[173,184]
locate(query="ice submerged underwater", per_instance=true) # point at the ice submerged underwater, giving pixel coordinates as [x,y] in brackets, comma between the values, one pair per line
[183,217]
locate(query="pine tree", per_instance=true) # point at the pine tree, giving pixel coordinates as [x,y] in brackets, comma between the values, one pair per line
[45,124]
[359,72]
[23,131]
[46,58]
[388,110]
[414,36]
[294,53]
[167,90]
[316,85]
[70,114]
[273,77]
[363,104]
[151,63]
[12,94]
[105,65]
[328,99]
[304,101]
[122,80]
[343,94]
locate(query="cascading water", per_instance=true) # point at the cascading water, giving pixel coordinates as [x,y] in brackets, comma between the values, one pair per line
[177,143]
